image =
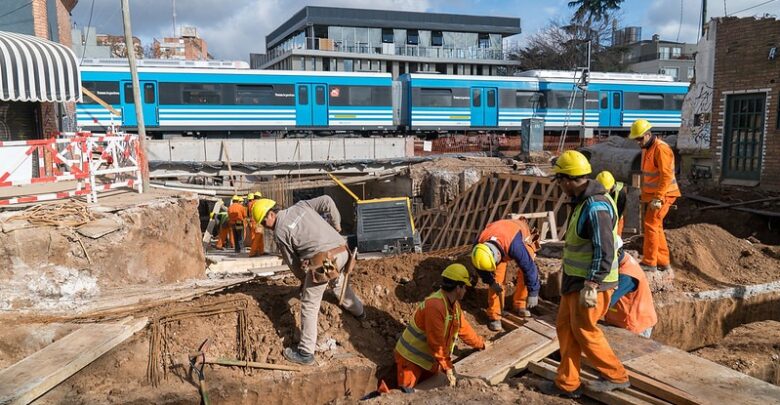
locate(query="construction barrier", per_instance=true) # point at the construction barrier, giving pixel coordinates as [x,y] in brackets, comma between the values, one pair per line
[75,164]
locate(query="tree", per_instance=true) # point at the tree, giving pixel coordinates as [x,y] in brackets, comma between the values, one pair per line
[589,11]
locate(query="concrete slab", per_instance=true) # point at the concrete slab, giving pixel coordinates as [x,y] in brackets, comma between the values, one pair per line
[216,148]
[328,149]
[259,150]
[293,150]
[359,148]
[187,150]
[388,148]
[98,228]
[158,150]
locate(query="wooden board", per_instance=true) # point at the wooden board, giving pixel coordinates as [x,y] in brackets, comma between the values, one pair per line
[212,223]
[34,375]
[509,354]
[98,228]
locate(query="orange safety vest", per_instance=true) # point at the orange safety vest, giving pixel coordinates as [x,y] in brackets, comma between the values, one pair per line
[653,160]
[236,213]
[504,231]
[634,311]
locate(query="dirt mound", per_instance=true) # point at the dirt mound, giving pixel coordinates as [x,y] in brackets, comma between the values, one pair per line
[753,349]
[705,256]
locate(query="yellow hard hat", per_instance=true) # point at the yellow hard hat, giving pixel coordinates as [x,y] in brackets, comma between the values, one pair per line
[260,208]
[457,272]
[238,198]
[606,179]
[572,163]
[258,194]
[638,128]
[482,257]
[250,196]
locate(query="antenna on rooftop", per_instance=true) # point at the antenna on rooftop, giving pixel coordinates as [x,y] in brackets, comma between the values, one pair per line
[173,6]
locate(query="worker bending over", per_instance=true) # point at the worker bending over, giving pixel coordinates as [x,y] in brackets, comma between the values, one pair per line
[500,242]
[616,190]
[631,306]
[237,221]
[225,235]
[316,254]
[659,191]
[590,275]
[425,347]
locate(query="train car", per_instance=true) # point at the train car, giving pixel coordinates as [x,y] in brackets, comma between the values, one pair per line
[203,101]
[613,101]
[434,103]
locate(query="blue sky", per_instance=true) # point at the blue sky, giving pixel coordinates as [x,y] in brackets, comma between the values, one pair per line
[234,28]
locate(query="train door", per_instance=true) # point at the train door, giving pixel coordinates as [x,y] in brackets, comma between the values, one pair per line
[311,105]
[484,107]
[148,103]
[610,108]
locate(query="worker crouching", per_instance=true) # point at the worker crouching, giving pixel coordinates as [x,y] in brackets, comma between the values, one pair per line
[316,253]
[590,275]
[500,242]
[426,345]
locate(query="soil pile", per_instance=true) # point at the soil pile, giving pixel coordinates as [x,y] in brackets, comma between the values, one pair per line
[705,256]
[753,349]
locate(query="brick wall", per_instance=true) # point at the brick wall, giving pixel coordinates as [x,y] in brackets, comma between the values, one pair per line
[742,66]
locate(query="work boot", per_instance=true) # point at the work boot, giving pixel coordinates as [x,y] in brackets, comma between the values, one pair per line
[665,267]
[361,317]
[647,267]
[296,356]
[495,326]
[522,312]
[604,385]
[549,388]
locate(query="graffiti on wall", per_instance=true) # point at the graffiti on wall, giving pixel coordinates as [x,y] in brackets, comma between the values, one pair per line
[695,131]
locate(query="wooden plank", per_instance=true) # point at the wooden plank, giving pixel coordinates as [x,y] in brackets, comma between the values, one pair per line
[552,224]
[549,370]
[463,222]
[516,192]
[212,223]
[507,356]
[36,374]
[489,200]
[455,207]
[472,222]
[100,101]
[498,200]
[660,389]
[98,228]
[528,196]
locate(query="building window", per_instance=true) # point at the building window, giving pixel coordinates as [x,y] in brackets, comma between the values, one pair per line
[691,72]
[484,41]
[412,37]
[671,71]
[664,53]
[387,35]
[676,53]
[437,38]
[651,101]
[348,65]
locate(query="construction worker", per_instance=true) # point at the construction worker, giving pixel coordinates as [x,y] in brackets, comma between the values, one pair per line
[631,306]
[425,346]
[616,190]
[249,232]
[257,248]
[500,242]
[316,254]
[659,191]
[237,220]
[590,275]
[225,235]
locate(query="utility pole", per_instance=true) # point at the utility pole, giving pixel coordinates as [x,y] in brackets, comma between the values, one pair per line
[703,15]
[139,112]
[173,5]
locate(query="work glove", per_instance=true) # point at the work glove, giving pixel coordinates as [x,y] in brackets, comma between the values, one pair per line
[532,301]
[496,288]
[589,295]
[451,380]
[656,204]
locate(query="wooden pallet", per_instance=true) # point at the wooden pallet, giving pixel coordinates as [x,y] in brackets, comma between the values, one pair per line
[494,197]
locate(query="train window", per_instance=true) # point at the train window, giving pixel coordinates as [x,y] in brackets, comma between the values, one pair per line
[435,98]
[491,98]
[476,97]
[616,101]
[303,95]
[129,93]
[107,91]
[319,95]
[651,101]
[379,96]
[201,93]
[529,99]
[252,94]
[149,93]
[604,102]
[677,102]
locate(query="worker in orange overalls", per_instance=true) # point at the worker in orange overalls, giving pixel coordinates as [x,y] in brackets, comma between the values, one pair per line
[425,346]
[500,242]
[631,306]
[659,191]
[249,232]
[225,236]
[590,276]
[257,247]
[237,220]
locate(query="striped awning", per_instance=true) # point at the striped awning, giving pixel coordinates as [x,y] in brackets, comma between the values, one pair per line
[35,69]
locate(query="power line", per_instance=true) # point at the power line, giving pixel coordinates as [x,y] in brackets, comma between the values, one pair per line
[725,13]
[679,27]
[86,38]
[750,8]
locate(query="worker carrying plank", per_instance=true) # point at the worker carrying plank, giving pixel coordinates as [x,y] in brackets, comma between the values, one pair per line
[659,191]
[631,306]
[590,275]
[500,242]
[237,220]
[425,346]
[316,254]
[616,190]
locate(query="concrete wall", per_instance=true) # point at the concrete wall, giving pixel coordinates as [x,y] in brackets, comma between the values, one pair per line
[279,150]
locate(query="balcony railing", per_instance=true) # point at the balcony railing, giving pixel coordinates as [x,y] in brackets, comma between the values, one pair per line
[659,56]
[434,52]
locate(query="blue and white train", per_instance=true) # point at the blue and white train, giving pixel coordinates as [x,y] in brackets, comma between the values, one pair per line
[203,101]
